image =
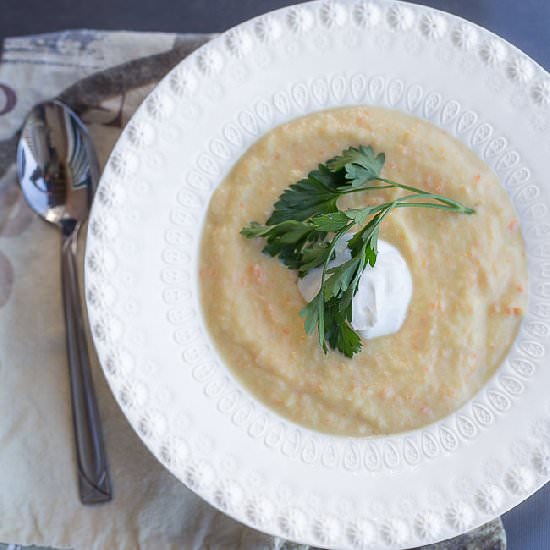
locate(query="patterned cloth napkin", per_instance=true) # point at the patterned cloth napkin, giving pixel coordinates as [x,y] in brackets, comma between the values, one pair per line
[103,77]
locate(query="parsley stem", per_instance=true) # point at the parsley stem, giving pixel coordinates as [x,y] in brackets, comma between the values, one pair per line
[435,196]
[347,190]
[402,202]
[433,205]
[456,206]
[320,295]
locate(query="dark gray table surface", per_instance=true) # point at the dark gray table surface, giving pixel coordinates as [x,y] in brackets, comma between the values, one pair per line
[525,23]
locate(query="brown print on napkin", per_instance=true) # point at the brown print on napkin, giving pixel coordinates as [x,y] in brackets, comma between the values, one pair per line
[102,97]
[15,215]
[6,279]
[8,99]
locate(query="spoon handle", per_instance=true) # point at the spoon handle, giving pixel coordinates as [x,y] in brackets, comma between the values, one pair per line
[93,476]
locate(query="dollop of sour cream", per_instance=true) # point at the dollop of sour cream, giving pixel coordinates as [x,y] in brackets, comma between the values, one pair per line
[383,295]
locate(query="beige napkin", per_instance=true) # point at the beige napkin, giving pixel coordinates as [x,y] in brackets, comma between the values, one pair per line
[38,497]
[104,77]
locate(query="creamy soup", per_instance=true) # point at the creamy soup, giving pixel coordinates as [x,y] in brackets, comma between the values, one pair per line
[469,280]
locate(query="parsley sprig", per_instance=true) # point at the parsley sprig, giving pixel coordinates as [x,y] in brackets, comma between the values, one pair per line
[306,225]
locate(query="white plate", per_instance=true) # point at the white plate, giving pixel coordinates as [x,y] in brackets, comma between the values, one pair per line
[142,279]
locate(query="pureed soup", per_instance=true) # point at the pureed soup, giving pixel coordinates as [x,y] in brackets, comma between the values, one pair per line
[469,277]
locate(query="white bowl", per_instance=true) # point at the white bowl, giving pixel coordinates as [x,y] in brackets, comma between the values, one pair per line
[142,279]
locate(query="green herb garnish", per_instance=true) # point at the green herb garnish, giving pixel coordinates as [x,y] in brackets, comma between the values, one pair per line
[306,224]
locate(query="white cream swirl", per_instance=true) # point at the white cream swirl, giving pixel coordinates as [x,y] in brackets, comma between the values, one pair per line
[383,295]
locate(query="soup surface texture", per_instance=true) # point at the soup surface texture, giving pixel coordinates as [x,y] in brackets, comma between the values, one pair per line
[469,280]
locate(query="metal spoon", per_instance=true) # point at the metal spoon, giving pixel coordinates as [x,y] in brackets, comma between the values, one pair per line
[58,172]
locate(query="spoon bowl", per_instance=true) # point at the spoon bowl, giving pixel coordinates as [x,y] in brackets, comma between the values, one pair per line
[57,166]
